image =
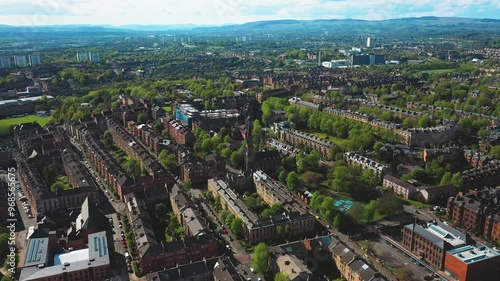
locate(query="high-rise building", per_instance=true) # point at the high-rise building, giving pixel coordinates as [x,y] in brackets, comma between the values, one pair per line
[370,59]
[6,62]
[82,56]
[21,60]
[95,57]
[35,59]
[368,42]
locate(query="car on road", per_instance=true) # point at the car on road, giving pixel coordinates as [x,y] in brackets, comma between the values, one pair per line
[416,211]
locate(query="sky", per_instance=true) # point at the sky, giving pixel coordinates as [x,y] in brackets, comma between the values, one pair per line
[218,12]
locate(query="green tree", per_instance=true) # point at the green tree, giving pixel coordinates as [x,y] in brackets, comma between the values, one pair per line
[168,160]
[457,181]
[423,122]
[495,152]
[377,146]
[280,276]
[260,261]
[237,226]
[357,212]
[390,205]
[446,179]
[142,118]
[341,178]
[404,274]
[292,181]
[188,184]
[57,186]
[161,211]
[338,222]
[370,210]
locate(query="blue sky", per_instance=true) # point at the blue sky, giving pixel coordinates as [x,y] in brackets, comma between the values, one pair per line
[216,12]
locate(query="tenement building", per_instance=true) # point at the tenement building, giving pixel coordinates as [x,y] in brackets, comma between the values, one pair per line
[295,218]
[365,163]
[299,139]
[478,211]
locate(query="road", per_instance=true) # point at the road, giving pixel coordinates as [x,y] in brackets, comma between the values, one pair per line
[110,208]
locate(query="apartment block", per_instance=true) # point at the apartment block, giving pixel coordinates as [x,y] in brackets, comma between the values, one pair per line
[399,187]
[179,133]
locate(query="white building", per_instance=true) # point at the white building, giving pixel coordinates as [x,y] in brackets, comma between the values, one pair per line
[368,42]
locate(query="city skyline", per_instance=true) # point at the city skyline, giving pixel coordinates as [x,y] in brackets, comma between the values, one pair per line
[219,12]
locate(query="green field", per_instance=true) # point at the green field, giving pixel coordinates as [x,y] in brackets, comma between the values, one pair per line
[439,71]
[6,123]
[167,108]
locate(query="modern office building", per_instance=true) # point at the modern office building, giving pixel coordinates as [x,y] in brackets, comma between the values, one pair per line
[368,42]
[472,263]
[370,59]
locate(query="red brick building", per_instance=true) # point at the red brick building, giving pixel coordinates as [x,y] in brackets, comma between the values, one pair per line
[431,241]
[471,263]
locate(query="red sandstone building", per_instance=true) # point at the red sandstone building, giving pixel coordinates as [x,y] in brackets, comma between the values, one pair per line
[477,211]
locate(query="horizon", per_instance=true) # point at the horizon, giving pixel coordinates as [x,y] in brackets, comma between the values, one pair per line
[229,24]
[118,13]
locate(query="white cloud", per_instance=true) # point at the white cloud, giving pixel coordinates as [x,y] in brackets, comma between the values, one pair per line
[120,12]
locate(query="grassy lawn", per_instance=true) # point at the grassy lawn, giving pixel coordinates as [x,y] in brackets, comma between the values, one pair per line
[417,204]
[338,141]
[6,123]
[167,108]
[439,71]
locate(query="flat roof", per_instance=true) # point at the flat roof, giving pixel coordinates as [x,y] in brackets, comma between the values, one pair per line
[71,257]
[37,252]
[471,254]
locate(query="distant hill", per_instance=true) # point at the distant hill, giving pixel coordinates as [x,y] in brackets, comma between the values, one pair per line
[408,26]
